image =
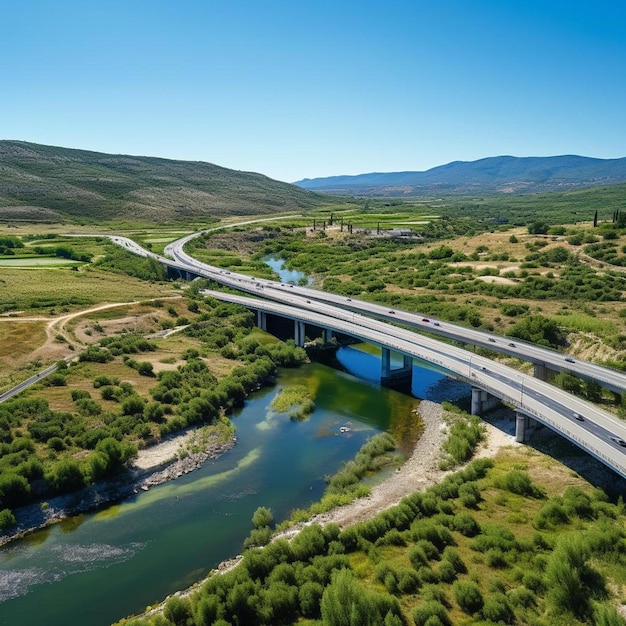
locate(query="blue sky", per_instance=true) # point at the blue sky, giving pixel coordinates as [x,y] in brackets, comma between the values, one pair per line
[297,89]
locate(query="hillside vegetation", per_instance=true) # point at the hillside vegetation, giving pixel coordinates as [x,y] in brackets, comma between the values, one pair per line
[51,184]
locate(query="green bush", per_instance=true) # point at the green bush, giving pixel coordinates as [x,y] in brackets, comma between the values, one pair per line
[468,596]
[466,524]
[177,611]
[498,610]
[425,614]
[551,514]
[519,482]
[346,602]
[66,476]
[14,490]
[7,519]
[572,583]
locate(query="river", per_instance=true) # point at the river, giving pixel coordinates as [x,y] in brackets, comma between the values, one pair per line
[95,569]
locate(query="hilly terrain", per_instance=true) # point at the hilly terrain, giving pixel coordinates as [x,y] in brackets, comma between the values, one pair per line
[52,184]
[494,175]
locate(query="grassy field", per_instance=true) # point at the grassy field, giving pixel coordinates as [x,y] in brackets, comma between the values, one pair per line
[61,290]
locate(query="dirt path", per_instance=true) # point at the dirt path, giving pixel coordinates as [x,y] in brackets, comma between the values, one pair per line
[56,327]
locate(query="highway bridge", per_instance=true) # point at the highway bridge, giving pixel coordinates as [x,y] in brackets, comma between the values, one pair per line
[594,430]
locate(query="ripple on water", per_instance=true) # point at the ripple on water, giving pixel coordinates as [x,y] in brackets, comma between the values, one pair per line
[95,554]
[64,560]
[15,583]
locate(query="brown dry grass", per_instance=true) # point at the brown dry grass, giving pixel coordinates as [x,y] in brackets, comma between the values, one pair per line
[18,339]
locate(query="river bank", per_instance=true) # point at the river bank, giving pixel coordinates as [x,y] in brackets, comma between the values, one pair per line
[419,472]
[153,466]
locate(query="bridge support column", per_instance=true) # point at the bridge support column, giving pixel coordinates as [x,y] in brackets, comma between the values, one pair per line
[327,334]
[299,335]
[399,378]
[520,427]
[261,320]
[482,401]
[542,372]
[385,363]
[524,425]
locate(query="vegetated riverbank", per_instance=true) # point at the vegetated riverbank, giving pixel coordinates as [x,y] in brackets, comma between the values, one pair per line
[176,455]
[420,471]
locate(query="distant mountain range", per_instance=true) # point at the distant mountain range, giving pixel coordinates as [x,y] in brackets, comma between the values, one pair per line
[502,174]
[51,184]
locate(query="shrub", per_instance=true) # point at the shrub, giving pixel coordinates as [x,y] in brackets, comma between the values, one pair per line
[177,611]
[468,596]
[452,556]
[262,517]
[417,556]
[430,611]
[469,494]
[551,514]
[345,602]
[7,519]
[466,524]
[66,476]
[498,610]
[14,489]
[572,583]
[519,482]
[309,596]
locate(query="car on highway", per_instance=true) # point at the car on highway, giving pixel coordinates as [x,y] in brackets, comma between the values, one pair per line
[492,340]
[436,323]
[579,417]
[618,440]
[569,359]
[425,319]
[511,344]
[392,312]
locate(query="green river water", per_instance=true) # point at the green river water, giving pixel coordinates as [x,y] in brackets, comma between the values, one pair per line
[95,569]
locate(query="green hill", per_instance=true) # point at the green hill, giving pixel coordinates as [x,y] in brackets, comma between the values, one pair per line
[47,183]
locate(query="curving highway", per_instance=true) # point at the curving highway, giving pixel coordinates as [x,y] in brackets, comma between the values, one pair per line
[544,402]
[591,428]
[610,379]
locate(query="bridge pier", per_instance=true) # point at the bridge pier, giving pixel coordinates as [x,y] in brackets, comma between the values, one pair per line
[261,319]
[523,423]
[299,333]
[482,401]
[327,335]
[542,372]
[400,377]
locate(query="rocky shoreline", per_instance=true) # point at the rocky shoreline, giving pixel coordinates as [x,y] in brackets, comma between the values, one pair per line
[137,478]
